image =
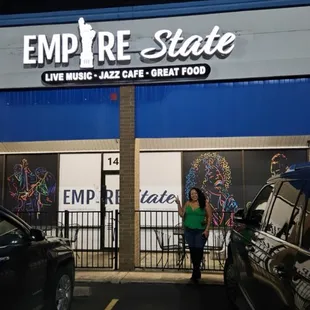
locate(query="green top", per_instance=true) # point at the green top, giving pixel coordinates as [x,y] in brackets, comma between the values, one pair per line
[194,218]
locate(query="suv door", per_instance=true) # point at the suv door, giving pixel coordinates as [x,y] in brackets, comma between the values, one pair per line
[242,241]
[12,271]
[22,266]
[300,284]
[273,253]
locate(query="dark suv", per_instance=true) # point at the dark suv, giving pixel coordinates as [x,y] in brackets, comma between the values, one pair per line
[36,272]
[268,263]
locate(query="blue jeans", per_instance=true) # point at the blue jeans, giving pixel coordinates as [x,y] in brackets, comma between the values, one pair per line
[195,238]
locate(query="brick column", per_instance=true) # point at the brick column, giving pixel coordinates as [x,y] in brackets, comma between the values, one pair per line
[129,234]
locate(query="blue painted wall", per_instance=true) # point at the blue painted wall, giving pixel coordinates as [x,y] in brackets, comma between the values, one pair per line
[258,108]
[59,114]
[147,11]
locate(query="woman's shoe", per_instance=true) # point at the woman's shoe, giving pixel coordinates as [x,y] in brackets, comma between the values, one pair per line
[198,274]
[194,280]
[194,275]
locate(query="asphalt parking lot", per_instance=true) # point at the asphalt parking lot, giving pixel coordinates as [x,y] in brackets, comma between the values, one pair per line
[140,296]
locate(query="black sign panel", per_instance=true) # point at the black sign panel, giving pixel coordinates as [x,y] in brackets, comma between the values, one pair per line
[127,75]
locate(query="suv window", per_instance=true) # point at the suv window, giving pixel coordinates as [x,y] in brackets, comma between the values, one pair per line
[9,233]
[259,205]
[286,211]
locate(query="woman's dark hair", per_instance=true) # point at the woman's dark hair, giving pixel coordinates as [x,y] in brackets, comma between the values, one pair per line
[201,197]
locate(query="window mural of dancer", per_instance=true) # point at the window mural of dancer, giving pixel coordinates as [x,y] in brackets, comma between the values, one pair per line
[279,164]
[260,165]
[211,172]
[32,190]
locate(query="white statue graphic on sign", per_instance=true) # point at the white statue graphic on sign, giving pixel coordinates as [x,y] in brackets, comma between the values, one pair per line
[87,38]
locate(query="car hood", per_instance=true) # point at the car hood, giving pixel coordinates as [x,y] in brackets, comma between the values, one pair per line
[58,240]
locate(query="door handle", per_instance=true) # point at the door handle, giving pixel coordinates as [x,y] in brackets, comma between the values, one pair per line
[249,248]
[4,259]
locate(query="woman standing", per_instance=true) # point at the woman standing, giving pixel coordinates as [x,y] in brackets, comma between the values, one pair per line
[197,216]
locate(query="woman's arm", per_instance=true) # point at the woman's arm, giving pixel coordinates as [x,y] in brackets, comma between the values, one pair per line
[180,208]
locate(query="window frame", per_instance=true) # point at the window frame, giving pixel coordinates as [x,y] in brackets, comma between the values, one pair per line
[302,219]
[268,203]
[271,206]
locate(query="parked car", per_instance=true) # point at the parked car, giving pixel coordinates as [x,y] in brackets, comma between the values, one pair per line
[268,262]
[36,272]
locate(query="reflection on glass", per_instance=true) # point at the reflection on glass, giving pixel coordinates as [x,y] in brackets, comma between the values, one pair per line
[280,222]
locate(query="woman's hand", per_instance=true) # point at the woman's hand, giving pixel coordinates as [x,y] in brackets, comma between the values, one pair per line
[180,209]
[206,233]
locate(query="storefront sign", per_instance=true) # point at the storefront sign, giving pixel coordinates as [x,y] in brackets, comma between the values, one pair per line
[200,71]
[146,197]
[28,52]
[112,50]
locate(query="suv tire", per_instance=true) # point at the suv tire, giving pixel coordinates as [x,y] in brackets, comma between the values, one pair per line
[61,290]
[231,283]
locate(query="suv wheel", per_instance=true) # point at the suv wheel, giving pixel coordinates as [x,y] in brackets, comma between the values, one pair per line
[61,292]
[231,284]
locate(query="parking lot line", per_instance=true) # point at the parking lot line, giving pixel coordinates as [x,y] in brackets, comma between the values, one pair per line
[111,304]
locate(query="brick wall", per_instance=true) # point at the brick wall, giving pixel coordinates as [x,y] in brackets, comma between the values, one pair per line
[129,243]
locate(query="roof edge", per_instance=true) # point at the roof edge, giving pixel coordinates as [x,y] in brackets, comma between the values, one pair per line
[146,11]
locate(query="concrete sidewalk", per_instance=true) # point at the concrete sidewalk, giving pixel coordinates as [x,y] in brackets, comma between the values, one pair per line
[118,277]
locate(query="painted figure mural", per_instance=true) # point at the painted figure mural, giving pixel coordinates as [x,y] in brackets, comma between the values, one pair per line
[32,190]
[279,164]
[211,172]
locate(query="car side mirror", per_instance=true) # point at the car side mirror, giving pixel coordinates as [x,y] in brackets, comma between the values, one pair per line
[239,215]
[37,234]
[248,205]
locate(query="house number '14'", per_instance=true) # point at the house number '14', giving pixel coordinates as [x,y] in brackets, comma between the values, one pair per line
[111,161]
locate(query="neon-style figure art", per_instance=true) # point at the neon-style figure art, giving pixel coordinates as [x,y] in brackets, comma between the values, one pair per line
[32,190]
[279,164]
[211,173]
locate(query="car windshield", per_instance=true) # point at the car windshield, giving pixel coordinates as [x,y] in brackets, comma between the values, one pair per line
[6,227]
[21,221]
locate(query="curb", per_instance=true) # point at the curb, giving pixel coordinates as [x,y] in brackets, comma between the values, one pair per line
[85,282]
[83,288]
[138,279]
[187,281]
